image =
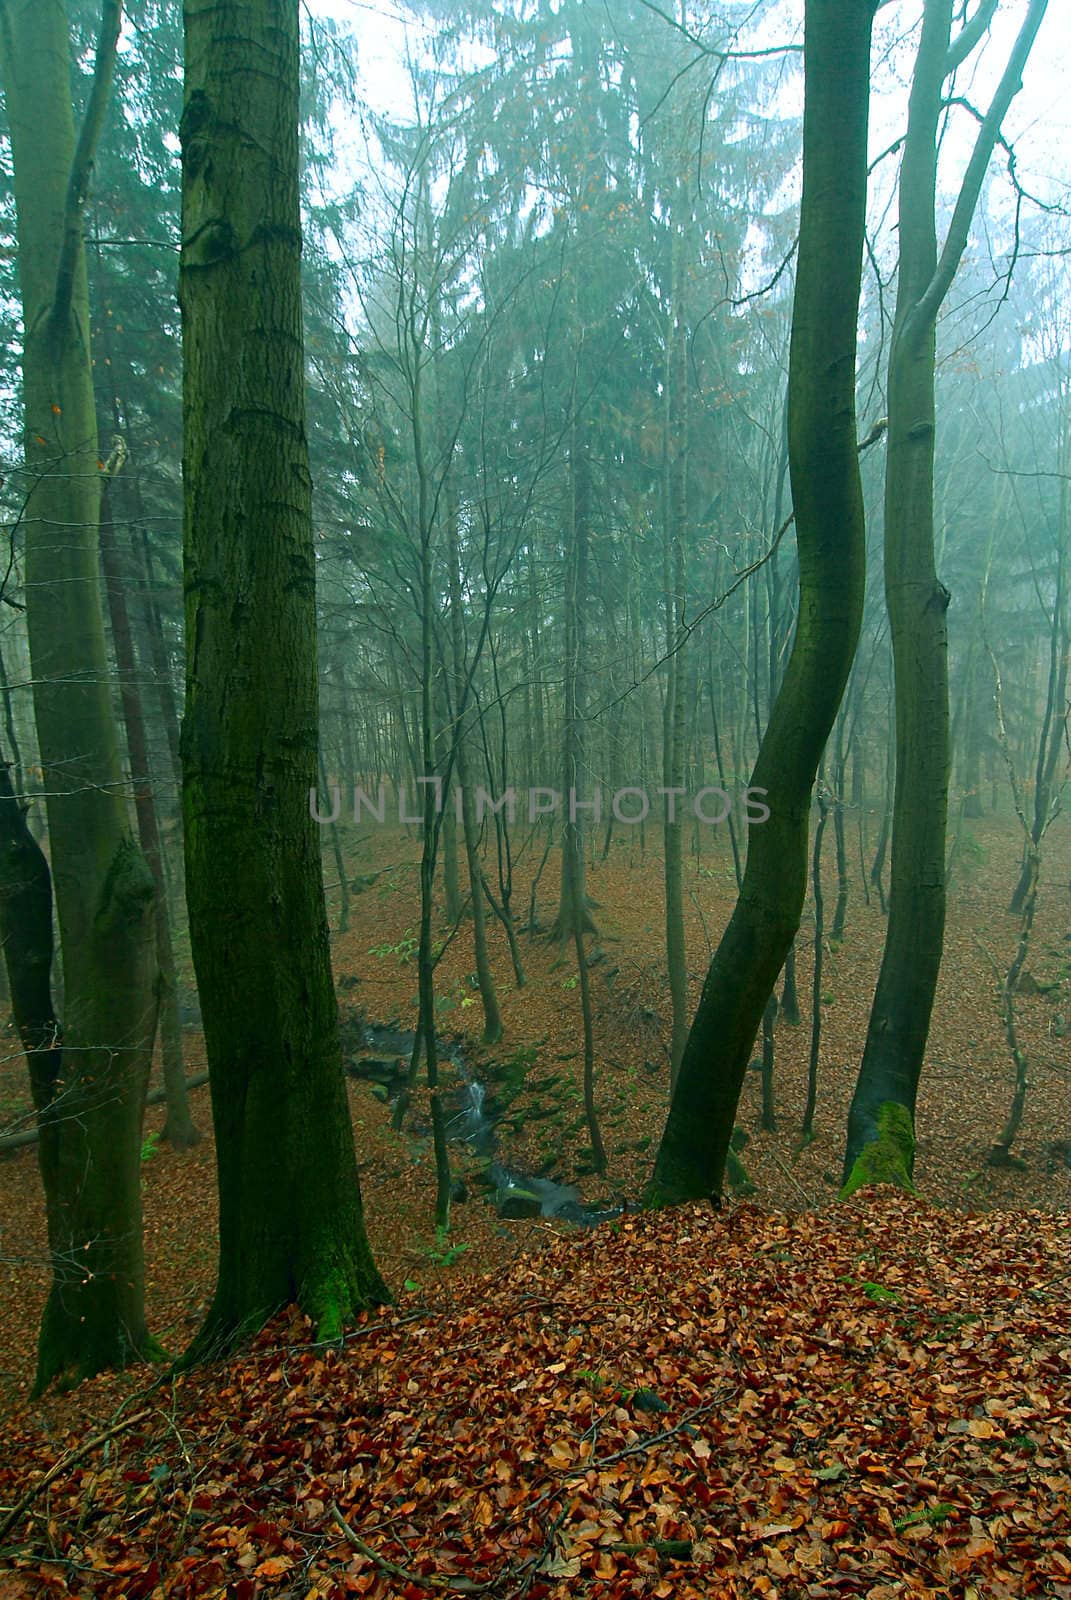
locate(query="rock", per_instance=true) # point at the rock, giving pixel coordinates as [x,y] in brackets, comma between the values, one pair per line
[647,1400]
[1000,1157]
[351,1031]
[458,1192]
[381,1093]
[376,1069]
[1059,1154]
[517,1203]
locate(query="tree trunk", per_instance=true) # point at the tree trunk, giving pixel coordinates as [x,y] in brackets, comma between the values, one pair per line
[291,1220]
[877,870]
[840,779]
[179,1129]
[573,911]
[91,1111]
[769,1098]
[492,1020]
[26,930]
[827,495]
[881,1121]
[674,518]
[807,1125]
[445,742]
[335,836]
[1054,719]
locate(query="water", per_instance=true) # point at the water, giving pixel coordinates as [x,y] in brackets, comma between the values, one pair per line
[472,1122]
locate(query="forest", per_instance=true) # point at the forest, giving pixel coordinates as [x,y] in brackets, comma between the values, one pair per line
[534,735]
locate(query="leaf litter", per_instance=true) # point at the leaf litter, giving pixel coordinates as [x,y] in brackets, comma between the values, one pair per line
[813,1440]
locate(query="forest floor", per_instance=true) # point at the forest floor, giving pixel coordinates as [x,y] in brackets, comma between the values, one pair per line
[830,1371]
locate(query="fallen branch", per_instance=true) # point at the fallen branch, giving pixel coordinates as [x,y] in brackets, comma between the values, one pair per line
[155,1097]
[596,1463]
[668,1549]
[63,1463]
[391,1569]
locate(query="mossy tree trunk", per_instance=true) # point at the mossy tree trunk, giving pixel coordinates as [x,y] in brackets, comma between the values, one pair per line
[291,1220]
[917,601]
[89,1100]
[827,495]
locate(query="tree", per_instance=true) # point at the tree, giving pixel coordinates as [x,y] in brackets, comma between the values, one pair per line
[881,1120]
[89,1097]
[827,496]
[291,1219]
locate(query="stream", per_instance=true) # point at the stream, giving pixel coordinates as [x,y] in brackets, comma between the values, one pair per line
[471,1120]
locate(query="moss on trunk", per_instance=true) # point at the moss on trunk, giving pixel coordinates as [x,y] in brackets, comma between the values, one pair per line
[89,1100]
[291,1218]
[889,1157]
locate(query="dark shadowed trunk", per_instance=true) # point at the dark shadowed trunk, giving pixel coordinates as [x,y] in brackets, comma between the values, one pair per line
[291,1222]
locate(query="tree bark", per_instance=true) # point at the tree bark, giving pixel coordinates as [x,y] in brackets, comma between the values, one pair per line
[881,1120]
[827,495]
[179,1130]
[573,909]
[492,1019]
[291,1218]
[90,1108]
[674,519]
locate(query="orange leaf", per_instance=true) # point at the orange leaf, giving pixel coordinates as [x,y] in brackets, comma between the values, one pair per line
[274,1567]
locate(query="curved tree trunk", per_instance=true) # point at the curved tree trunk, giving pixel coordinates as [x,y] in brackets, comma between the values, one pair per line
[828,500]
[291,1221]
[881,1121]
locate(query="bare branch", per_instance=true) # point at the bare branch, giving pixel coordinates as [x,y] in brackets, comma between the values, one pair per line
[710,50]
[970,35]
[929,304]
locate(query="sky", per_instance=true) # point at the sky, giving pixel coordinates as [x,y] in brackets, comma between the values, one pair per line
[1039,123]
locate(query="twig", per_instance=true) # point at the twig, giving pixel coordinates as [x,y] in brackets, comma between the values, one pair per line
[458,1585]
[155,1097]
[1040,1288]
[63,1463]
[811,1201]
[668,1549]
[596,1463]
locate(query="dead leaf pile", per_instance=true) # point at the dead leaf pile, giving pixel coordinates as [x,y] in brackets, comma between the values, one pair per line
[871,1400]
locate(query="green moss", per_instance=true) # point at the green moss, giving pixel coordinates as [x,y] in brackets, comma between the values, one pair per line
[889,1157]
[737,1174]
